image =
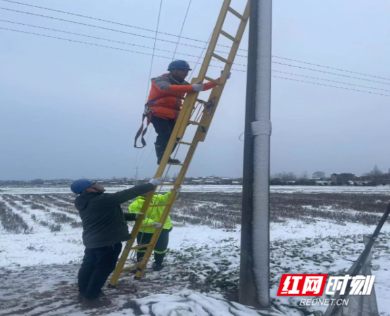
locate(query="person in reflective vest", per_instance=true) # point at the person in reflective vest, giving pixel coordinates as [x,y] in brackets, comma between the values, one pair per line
[152,218]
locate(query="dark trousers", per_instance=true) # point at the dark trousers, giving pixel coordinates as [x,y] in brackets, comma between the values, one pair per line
[161,246]
[164,129]
[98,264]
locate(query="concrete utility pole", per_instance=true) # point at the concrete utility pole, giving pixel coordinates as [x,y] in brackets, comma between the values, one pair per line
[254,270]
[136,175]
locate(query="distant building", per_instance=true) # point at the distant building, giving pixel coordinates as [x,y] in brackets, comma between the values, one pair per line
[197,181]
[226,180]
[341,178]
[210,182]
[322,182]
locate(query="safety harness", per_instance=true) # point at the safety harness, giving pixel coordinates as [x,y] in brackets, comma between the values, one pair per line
[148,115]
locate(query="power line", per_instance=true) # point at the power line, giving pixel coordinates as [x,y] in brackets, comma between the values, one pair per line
[104,46]
[200,56]
[107,29]
[107,21]
[326,72]
[154,47]
[351,84]
[188,38]
[320,84]
[353,72]
[121,49]
[181,30]
[151,66]
[78,34]
[103,39]
[80,42]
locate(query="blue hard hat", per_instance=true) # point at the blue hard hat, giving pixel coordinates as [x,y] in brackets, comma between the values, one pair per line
[179,64]
[80,185]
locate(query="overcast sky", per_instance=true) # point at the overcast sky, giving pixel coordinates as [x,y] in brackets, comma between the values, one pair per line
[69,110]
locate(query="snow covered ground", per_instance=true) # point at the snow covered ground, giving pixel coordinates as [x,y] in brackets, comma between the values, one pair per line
[214,188]
[39,268]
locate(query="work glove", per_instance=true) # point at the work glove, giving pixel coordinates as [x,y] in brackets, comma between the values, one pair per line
[156,225]
[227,75]
[157,181]
[197,86]
[138,215]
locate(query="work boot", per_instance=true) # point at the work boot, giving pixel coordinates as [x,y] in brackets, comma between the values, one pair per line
[80,297]
[95,303]
[170,160]
[158,261]
[157,267]
[160,153]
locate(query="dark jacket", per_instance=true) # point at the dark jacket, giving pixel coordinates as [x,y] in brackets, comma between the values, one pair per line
[104,223]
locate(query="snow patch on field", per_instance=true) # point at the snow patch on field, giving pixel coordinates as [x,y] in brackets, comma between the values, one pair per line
[384,190]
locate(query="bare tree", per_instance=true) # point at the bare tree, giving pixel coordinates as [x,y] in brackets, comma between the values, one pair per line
[285,176]
[375,174]
[376,171]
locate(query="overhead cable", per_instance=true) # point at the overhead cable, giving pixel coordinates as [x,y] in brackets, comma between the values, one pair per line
[320,84]
[181,30]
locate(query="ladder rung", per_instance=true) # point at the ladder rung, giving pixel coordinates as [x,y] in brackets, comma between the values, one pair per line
[193,123]
[140,246]
[221,58]
[131,267]
[184,143]
[231,10]
[214,81]
[201,101]
[229,36]
[147,226]
[171,184]
[175,164]
[157,205]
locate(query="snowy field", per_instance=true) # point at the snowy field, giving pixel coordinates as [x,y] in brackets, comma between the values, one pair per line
[213,188]
[313,230]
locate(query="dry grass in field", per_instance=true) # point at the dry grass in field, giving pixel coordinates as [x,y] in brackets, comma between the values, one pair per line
[12,222]
[213,209]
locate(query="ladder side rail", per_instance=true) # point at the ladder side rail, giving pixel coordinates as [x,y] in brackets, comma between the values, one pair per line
[217,91]
[206,61]
[185,111]
[148,199]
[168,208]
[188,105]
[214,39]
[187,161]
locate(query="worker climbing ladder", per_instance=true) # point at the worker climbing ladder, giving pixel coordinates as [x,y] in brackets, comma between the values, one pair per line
[202,123]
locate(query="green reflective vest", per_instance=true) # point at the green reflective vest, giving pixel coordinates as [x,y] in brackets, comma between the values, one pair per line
[154,213]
